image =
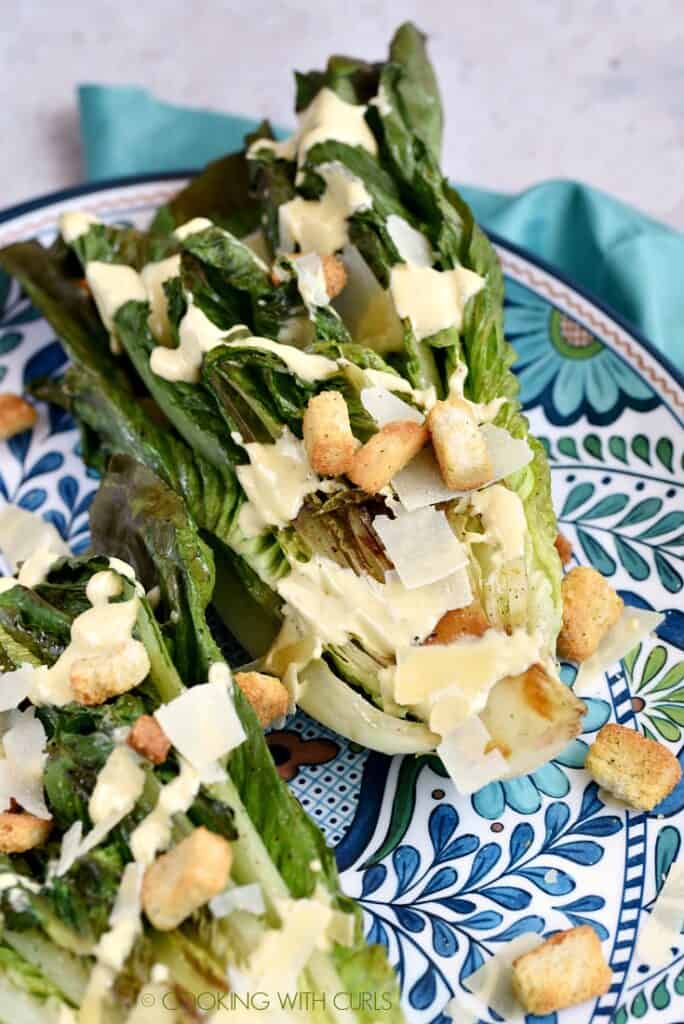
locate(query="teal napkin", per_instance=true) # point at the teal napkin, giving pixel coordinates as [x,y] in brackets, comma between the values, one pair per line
[627,260]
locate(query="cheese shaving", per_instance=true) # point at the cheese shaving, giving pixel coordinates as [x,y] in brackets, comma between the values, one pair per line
[421,545]
[633,626]
[240,897]
[664,926]
[386,407]
[22,533]
[465,756]
[203,725]
[412,246]
[21,770]
[15,686]
[491,983]
[420,483]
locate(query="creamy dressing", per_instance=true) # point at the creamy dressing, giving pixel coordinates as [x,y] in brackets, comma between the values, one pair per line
[451,682]
[112,285]
[432,300]
[306,365]
[503,517]
[276,481]
[413,247]
[118,786]
[336,604]
[327,117]
[484,412]
[37,566]
[390,381]
[197,335]
[153,277]
[320,225]
[101,630]
[153,834]
[74,223]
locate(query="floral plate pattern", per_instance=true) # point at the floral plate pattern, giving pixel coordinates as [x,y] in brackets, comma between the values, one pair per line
[445,881]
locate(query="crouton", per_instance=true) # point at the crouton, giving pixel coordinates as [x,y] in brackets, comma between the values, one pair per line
[15,415]
[459,445]
[181,881]
[330,444]
[637,770]
[563,547]
[20,831]
[149,740]
[335,275]
[266,694]
[95,680]
[468,621]
[565,970]
[590,608]
[386,453]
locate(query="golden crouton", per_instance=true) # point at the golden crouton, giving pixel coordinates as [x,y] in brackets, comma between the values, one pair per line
[181,881]
[639,771]
[565,970]
[15,415]
[459,445]
[20,831]
[266,694]
[95,680]
[149,740]
[386,453]
[335,275]
[563,547]
[590,608]
[330,444]
[468,621]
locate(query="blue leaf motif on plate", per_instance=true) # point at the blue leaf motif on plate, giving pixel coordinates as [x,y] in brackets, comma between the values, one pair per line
[58,520]
[45,362]
[48,463]
[409,920]
[484,920]
[406,862]
[472,962]
[68,490]
[532,923]
[508,896]
[442,879]
[19,445]
[483,862]
[549,880]
[9,341]
[441,827]
[377,933]
[444,941]
[424,990]
[373,879]
[580,852]
[556,818]
[33,499]
[520,842]
[666,851]
[458,905]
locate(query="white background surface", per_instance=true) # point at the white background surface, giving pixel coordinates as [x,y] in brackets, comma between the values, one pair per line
[533,89]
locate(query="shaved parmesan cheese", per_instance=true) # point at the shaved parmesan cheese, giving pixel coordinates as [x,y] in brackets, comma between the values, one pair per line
[465,756]
[74,223]
[22,533]
[21,771]
[118,786]
[385,407]
[421,545]
[240,897]
[192,227]
[367,308]
[455,679]
[203,725]
[664,926]
[412,246]
[491,983]
[633,626]
[15,686]
[311,279]
[71,842]
[420,483]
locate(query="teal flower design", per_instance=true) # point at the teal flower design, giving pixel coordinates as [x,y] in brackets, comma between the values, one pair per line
[565,368]
[524,795]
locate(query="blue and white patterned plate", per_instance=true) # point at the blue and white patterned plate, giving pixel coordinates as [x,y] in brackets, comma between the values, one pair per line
[444,880]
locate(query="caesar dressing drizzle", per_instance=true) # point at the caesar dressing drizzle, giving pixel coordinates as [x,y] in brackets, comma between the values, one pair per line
[320,225]
[432,300]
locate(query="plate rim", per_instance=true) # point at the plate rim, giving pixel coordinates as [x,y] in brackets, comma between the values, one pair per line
[20,209]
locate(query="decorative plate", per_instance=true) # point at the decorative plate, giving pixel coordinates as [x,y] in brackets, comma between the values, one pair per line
[444,880]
